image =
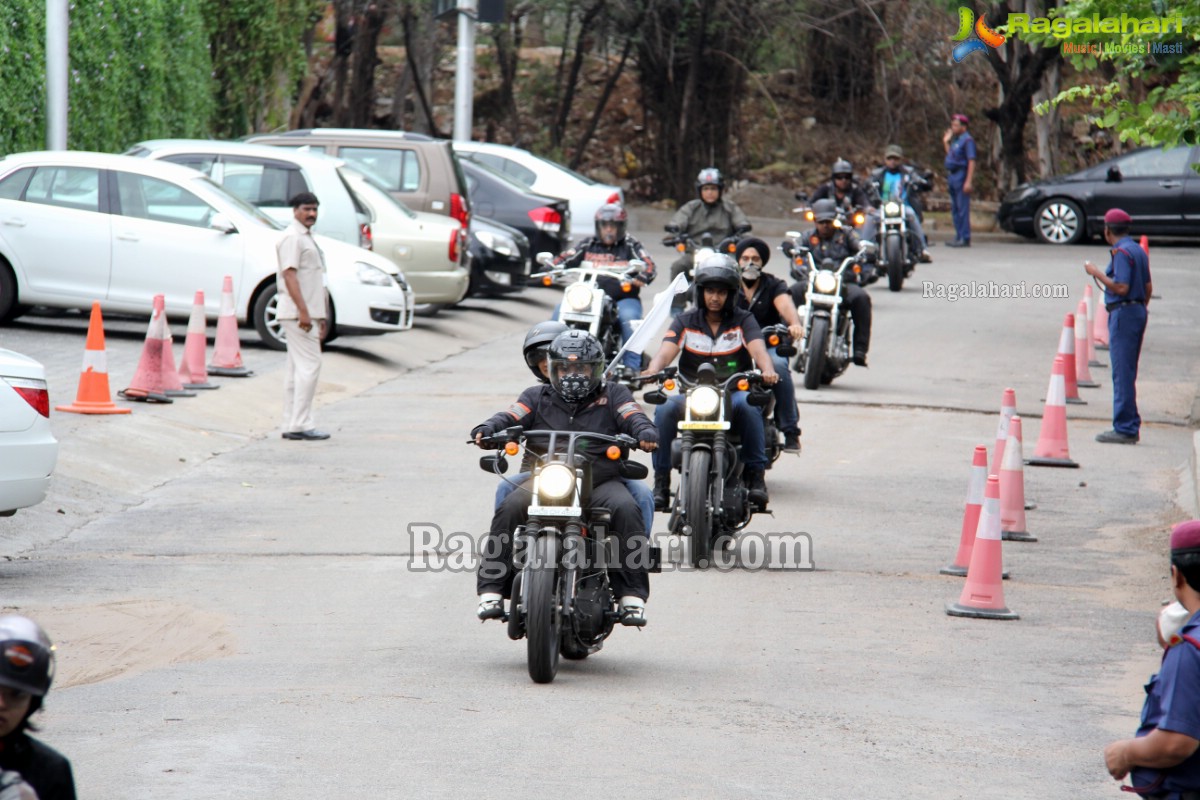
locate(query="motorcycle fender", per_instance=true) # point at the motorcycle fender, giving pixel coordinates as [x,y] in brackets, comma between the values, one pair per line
[677,452]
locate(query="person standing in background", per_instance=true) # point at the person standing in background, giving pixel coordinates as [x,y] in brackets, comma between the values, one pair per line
[960,172]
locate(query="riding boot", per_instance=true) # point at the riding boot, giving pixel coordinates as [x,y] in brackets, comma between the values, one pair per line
[662,491]
[756,482]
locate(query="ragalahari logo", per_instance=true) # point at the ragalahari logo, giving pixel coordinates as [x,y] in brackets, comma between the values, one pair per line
[968,43]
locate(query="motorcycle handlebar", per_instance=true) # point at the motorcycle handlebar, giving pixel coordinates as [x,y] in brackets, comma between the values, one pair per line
[519,435]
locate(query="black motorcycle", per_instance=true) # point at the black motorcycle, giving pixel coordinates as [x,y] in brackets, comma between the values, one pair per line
[562,601]
[898,246]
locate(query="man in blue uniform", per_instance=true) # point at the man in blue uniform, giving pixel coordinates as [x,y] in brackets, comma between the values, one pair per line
[1127,291]
[1161,759]
[960,172]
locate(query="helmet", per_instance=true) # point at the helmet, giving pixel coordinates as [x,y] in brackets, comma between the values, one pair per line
[824,210]
[843,167]
[537,341]
[26,656]
[710,176]
[576,365]
[717,270]
[611,212]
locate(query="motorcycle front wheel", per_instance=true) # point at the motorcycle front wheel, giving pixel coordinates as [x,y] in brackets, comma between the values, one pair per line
[894,254]
[814,363]
[699,514]
[543,617]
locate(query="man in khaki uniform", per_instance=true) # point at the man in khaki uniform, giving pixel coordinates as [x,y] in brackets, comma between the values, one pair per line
[300,285]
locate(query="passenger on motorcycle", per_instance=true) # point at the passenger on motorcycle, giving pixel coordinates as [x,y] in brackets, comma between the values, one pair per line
[535,349]
[718,333]
[613,247]
[766,297]
[576,399]
[827,241]
[709,213]
[844,190]
[897,181]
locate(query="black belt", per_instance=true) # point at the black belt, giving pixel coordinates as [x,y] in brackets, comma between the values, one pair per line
[1111,306]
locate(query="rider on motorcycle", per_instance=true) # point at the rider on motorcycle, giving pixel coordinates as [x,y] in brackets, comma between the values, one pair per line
[718,333]
[897,181]
[709,213]
[612,247]
[766,297]
[843,189]
[576,399]
[827,241]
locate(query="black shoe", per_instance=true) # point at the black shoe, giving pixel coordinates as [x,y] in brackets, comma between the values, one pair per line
[959,243]
[306,436]
[1116,437]
[791,443]
[925,258]
[756,482]
[860,358]
[662,491]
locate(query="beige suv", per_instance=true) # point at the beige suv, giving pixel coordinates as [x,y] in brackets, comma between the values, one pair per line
[420,171]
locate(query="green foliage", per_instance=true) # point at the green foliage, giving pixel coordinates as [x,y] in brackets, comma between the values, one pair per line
[22,43]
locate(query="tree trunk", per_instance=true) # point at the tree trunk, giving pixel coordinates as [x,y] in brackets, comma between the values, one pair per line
[360,103]
[558,131]
[1047,124]
[577,158]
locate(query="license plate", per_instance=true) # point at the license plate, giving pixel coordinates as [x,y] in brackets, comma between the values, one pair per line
[555,511]
[704,426]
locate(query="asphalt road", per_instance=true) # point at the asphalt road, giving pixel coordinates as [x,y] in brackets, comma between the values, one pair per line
[236,615]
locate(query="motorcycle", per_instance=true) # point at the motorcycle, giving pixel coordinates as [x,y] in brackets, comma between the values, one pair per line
[585,305]
[847,217]
[700,248]
[713,500]
[898,248]
[562,600]
[826,349]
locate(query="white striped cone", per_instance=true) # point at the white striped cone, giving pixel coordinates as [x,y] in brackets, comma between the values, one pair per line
[172,385]
[227,348]
[1051,449]
[1083,376]
[191,368]
[1066,349]
[1008,407]
[148,383]
[983,592]
[970,521]
[1091,327]
[1012,488]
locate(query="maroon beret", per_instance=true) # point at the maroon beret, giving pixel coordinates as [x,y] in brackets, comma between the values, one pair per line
[963,118]
[1116,216]
[1185,537]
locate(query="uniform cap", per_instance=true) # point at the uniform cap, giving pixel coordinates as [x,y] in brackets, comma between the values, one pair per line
[1116,216]
[893,150]
[963,118]
[1185,537]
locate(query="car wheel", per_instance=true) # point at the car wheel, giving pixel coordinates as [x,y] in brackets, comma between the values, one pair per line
[8,293]
[266,307]
[1060,221]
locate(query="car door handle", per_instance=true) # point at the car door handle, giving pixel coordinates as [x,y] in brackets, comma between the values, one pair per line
[1170,184]
[15,222]
[129,237]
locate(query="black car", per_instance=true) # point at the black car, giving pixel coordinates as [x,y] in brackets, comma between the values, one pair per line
[500,258]
[545,221]
[1158,188]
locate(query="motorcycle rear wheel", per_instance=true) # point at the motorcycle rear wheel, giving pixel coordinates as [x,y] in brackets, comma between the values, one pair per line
[814,364]
[894,256]
[699,515]
[543,617]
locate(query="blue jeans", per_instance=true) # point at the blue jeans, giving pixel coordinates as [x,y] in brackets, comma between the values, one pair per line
[960,205]
[640,491]
[786,410]
[1126,327]
[747,421]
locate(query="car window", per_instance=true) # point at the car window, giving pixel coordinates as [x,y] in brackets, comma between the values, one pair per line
[264,184]
[398,169]
[197,161]
[68,187]
[375,194]
[13,186]
[1154,163]
[521,173]
[161,201]
[238,203]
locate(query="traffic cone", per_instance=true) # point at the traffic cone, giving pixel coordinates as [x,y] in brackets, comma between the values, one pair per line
[983,593]
[1091,326]
[94,396]
[970,520]
[156,377]
[1066,349]
[1083,376]
[191,369]
[227,349]
[1051,449]
[1008,407]
[1100,325]
[1012,488]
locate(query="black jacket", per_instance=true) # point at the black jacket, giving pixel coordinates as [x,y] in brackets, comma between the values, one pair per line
[610,411]
[856,198]
[617,255]
[42,767]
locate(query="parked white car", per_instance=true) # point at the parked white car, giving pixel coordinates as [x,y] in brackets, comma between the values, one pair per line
[28,450]
[76,227]
[429,248]
[546,177]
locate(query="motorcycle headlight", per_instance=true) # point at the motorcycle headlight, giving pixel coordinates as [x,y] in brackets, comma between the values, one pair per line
[504,245]
[372,275]
[825,282]
[703,401]
[578,297]
[556,482]
[892,209]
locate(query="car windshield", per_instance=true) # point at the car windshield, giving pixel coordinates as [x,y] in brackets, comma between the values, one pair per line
[373,192]
[234,200]
[498,175]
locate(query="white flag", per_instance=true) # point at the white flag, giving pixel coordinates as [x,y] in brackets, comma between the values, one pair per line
[652,323]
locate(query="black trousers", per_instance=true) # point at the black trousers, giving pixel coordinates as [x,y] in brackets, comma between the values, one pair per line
[629,578]
[856,300]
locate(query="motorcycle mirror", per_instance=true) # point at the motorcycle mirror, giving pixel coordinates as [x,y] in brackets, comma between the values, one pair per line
[655,397]
[495,463]
[545,258]
[632,470]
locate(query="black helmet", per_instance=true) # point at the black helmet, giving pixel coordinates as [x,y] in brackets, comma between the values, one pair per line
[717,270]
[576,365]
[824,210]
[537,341]
[26,656]
[710,176]
[843,167]
[611,212]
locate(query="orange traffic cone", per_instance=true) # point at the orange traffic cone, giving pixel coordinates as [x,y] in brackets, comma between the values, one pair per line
[1091,327]
[191,369]
[1083,376]
[227,349]
[1051,449]
[1012,488]
[94,396]
[1066,349]
[1008,407]
[983,593]
[156,377]
[1100,325]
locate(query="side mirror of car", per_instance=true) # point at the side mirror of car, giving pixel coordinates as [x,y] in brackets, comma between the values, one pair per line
[222,223]
[1114,175]
[494,463]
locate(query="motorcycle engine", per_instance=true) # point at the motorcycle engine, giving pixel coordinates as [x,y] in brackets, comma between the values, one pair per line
[593,598]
